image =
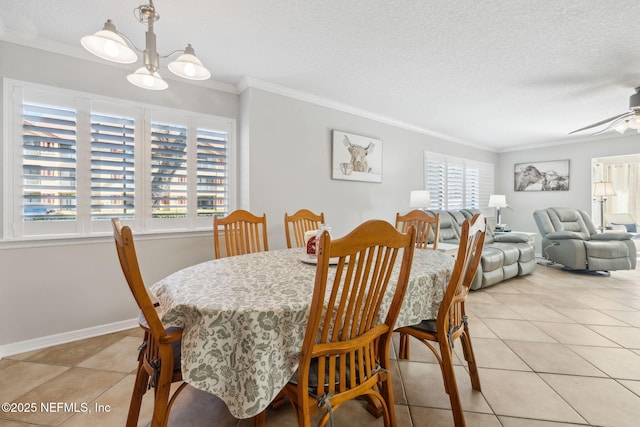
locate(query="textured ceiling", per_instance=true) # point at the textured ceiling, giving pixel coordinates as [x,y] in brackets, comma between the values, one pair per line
[500,75]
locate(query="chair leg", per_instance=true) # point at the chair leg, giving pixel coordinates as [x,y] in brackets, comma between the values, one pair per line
[139,389]
[404,350]
[436,354]
[386,391]
[451,385]
[279,401]
[172,400]
[470,357]
[303,420]
[161,402]
[260,419]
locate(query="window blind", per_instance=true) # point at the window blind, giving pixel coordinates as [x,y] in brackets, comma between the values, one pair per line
[49,163]
[168,170]
[457,183]
[213,173]
[112,167]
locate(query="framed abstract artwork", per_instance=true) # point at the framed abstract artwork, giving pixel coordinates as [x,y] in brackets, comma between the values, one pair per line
[541,176]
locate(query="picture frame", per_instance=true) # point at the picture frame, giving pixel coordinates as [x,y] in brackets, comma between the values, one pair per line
[356,157]
[541,176]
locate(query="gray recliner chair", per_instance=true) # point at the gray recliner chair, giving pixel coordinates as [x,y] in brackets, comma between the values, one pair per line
[570,238]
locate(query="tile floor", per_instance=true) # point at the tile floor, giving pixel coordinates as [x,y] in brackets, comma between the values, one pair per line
[555,349]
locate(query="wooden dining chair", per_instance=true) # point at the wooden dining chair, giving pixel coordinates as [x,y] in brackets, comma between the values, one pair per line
[451,322]
[159,358]
[244,233]
[427,227]
[345,352]
[300,222]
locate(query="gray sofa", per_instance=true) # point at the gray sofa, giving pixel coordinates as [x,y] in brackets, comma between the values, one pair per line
[569,237]
[504,255]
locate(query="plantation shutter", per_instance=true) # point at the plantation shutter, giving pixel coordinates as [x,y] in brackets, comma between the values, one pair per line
[485,184]
[472,187]
[455,186]
[112,166]
[49,163]
[436,173]
[456,183]
[212,172]
[168,170]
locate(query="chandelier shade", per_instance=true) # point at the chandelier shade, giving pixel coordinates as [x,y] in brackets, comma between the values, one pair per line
[147,80]
[114,46]
[108,44]
[188,66]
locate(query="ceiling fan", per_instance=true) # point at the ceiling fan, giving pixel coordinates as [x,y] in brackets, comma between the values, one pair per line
[627,120]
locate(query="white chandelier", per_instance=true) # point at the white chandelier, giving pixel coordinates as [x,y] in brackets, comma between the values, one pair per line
[114,46]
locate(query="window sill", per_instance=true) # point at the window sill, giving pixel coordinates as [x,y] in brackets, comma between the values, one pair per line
[60,240]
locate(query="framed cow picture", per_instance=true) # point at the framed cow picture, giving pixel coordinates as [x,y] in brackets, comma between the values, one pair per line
[356,157]
[541,176]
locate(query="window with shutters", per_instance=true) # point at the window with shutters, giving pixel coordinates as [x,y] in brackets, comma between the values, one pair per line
[456,183]
[74,161]
[112,167]
[168,170]
[213,173]
[49,163]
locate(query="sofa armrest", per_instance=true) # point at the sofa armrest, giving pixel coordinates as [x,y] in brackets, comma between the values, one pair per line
[513,237]
[565,235]
[612,235]
[629,228]
[617,227]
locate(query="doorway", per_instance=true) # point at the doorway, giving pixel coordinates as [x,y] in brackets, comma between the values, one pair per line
[623,172]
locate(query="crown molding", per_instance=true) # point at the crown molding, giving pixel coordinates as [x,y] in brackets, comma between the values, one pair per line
[250,82]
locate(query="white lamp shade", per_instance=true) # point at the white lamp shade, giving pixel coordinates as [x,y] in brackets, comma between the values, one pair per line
[188,66]
[621,127]
[497,201]
[108,44]
[147,80]
[603,189]
[419,199]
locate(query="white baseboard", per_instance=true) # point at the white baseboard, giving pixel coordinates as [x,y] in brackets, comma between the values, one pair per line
[65,337]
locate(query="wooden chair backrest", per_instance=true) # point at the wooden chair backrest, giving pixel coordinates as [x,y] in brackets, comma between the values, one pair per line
[427,227]
[300,222]
[244,233]
[351,338]
[451,314]
[129,262]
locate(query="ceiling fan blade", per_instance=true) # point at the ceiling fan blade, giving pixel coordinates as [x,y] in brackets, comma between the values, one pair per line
[628,113]
[610,125]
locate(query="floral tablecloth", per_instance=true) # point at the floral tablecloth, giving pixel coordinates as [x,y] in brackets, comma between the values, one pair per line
[244,319]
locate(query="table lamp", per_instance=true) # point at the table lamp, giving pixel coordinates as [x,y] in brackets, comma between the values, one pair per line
[498,201]
[603,190]
[419,199]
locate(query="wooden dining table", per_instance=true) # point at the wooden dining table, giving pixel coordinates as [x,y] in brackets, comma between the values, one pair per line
[244,318]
